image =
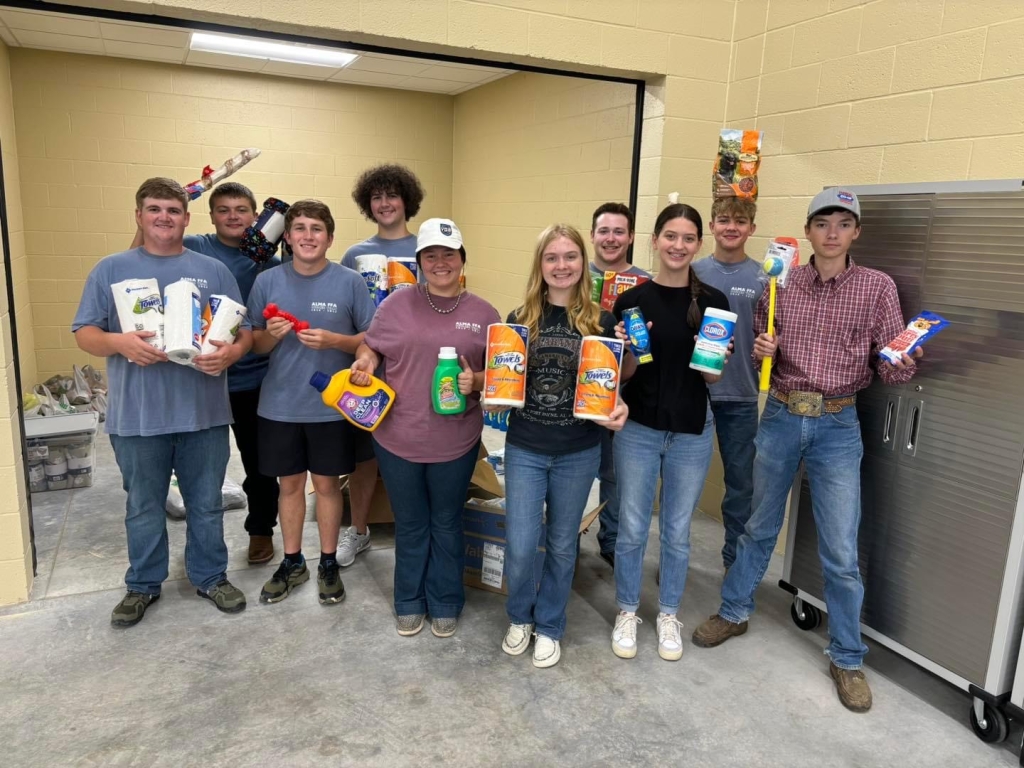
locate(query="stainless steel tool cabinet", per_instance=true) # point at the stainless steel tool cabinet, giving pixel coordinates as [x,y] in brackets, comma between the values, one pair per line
[942,533]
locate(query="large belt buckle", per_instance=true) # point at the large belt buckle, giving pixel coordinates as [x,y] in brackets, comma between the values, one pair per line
[805,404]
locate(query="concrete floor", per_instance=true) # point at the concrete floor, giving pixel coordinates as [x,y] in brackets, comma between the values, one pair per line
[299,684]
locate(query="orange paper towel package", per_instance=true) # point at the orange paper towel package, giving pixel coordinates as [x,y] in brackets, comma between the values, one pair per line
[505,365]
[597,380]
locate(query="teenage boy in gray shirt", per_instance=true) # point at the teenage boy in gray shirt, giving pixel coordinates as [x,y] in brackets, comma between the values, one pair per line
[389,195]
[297,432]
[161,416]
[734,397]
[611,233]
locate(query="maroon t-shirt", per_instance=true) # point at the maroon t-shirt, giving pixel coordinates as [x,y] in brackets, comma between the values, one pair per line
[407,334]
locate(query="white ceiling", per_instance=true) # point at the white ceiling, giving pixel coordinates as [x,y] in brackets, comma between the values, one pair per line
[80,34]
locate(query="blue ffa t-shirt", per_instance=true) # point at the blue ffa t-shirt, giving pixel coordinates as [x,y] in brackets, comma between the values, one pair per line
[248,372]
[334,299]
[163,398]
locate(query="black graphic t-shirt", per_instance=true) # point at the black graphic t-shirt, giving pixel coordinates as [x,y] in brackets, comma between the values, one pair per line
[546,424]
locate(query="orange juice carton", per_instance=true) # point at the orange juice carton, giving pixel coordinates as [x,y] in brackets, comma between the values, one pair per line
[918,330]
[505,365]
[402,272]
[597,380]
[615,284]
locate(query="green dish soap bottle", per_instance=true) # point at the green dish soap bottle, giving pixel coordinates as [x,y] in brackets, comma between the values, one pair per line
[445,395]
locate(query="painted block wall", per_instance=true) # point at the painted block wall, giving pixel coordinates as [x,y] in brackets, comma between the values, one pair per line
[532,150]
[96,127]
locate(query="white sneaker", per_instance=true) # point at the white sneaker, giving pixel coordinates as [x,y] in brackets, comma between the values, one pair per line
[517,639]
[546,652]
[624,635]
[351,544]
[670,641]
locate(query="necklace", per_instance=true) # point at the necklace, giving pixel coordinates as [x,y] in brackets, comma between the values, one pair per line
[433,306]
[721,267]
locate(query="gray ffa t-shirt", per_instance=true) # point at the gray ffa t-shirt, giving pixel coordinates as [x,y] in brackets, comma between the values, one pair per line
[163,398]
[334,299]
[248,372]
[743,285]
[403,246]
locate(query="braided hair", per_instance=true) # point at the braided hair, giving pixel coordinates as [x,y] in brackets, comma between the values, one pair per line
[694,315]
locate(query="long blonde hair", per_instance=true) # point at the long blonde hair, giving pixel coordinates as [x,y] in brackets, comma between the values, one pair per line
[584,315]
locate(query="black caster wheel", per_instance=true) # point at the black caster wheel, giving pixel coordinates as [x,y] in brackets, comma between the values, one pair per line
[806,616]
[995,727]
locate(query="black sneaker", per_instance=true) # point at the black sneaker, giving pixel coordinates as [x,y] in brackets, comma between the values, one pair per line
[131,609]
[329,580]
[286,578]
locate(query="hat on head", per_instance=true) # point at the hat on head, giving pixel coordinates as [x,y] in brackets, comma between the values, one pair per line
[834,197]
[438,232]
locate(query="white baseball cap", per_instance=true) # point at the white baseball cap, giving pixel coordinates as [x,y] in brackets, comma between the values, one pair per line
[834,197]
[438,232]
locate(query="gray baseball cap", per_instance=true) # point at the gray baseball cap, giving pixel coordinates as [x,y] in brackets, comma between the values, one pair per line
[834,197]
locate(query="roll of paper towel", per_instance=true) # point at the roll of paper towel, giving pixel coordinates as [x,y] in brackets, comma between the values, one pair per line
[221,320]
[183,322]
[139,308]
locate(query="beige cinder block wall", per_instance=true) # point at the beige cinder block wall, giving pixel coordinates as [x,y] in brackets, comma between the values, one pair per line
[531,150]
[15,551]
[96,127]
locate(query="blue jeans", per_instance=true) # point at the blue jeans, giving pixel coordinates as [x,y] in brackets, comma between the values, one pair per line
[564,482]
[427,501]
[200,460]
[682,461]
[736,425]
[607,494]
[831,449]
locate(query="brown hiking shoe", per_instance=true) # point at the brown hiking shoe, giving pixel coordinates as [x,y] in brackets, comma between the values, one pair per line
[716,631]
[852,687]
[261,549]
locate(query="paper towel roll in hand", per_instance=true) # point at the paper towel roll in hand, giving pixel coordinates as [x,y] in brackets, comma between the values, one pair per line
[183,322]
[139,308]
[222,319]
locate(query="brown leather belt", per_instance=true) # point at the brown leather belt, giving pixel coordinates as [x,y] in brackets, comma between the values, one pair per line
[812,403]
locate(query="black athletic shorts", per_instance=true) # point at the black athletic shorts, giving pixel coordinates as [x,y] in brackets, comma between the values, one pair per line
[363,445]
[323,448]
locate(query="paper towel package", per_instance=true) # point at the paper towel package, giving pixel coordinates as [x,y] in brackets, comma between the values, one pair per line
[221,320]
[374,269]
[139,308]
[183,322]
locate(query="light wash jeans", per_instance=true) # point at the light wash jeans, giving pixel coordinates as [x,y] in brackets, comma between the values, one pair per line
[736,427]
[562,482]
[200,460]
[831,449]
[682,461]
[608,494]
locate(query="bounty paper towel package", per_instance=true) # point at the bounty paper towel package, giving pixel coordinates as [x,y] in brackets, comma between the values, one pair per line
[183,322]
[139,308]
[221,321]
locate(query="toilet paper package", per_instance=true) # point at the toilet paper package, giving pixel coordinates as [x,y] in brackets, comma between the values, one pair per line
[183,322]
[221,320]
[374,269]
[139,308]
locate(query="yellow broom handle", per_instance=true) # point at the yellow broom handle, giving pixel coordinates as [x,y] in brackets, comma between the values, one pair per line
[766,363]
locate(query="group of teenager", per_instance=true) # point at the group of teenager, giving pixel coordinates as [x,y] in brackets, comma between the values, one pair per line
[830,321]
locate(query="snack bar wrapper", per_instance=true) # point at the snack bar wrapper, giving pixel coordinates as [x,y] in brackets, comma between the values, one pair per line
[918,330]
[616,283]
[221,320]
[140,308]
[259,242]
[739,157]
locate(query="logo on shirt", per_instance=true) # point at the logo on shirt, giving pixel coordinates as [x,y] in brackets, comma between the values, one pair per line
[198,282]
[746,293]
[323,306]
[462,326]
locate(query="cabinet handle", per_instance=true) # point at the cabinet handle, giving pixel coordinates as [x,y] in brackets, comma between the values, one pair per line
[887,430]
[913,428]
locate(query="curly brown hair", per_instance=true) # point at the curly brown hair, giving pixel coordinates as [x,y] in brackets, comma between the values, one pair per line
[388,178]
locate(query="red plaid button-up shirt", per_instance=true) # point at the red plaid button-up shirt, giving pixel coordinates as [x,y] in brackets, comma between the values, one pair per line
[830,332]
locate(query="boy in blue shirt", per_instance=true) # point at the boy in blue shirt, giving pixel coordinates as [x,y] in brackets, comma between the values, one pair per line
[161,416]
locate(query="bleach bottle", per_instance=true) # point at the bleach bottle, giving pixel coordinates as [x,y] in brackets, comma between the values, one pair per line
[445,394]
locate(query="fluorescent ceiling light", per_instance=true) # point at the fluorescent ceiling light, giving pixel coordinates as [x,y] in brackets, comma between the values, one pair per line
[254,48]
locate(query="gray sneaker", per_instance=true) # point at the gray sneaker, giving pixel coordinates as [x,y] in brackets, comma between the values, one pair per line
[226,596]
[131,609]
[351,544]
[444,627]
[410,624]
[285,579]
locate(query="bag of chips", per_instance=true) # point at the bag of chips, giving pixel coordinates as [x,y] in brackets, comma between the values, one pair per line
[739,157]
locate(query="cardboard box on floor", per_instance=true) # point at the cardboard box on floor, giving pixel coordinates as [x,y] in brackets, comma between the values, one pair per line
[484,532]
[380,507]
